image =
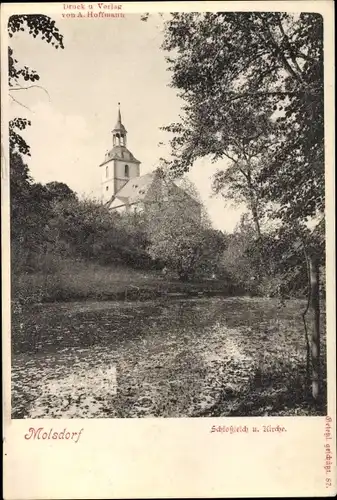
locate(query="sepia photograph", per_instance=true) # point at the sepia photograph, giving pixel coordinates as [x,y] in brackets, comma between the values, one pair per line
[167,213]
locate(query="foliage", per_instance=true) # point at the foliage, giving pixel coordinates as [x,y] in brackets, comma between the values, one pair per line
[30,209]
[225,63]
[179,233]
[50,223]
[16,142]
[288,248]
[87,229]
[59,191]
[283,255]
[240,259]
[190,251]
[32,212]
[37,25]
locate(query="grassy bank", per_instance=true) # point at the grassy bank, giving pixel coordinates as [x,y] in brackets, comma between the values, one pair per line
[71,280]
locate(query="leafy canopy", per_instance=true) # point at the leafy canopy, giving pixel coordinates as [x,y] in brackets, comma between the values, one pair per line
[236,70]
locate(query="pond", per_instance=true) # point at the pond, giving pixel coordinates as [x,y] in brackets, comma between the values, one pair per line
[167,358]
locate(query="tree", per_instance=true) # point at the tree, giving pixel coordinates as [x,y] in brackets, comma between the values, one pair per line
[30,213]
[60,191]
[241,259]
[86,229]
[224,63]
[252,135]
[272,64]
[179,232]
[20,186]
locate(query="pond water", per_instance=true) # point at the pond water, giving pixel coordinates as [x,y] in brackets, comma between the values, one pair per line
[51,327]
[172,358]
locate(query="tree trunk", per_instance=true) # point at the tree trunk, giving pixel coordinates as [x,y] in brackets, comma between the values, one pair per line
[256,219]
[253,204]
[315,337]
[261,264]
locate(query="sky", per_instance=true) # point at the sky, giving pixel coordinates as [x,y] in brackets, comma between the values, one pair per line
[105,61]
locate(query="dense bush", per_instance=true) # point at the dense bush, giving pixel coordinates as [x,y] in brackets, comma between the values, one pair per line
[181,237]
[275,266]
[49,222]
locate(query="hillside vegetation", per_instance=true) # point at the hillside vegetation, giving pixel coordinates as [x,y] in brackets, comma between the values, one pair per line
[65,248]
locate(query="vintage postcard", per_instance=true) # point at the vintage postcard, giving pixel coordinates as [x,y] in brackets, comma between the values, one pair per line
[168,249]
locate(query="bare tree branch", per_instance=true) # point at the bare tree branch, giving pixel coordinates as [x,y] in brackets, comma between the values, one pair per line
[30,87]
[20,103]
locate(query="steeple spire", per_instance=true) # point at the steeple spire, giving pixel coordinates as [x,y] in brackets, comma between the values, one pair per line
[119,132]
[119,116]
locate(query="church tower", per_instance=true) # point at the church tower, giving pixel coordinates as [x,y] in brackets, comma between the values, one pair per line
[119,165]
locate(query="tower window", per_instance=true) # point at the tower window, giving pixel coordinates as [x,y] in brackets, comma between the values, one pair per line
[107,188]
[126,170]
[106,172]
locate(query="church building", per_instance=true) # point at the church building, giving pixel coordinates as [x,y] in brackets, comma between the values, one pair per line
[124,189]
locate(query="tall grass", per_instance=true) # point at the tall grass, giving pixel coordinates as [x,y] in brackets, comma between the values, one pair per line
[66,279]
[50,277]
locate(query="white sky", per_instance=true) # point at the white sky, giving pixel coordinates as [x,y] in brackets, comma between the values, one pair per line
[105,61]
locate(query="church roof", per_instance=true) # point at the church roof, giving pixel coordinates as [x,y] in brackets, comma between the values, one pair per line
[136,189]
[119,153]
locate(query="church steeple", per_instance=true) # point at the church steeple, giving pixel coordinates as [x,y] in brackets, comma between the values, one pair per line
[119,165]
[119,132]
